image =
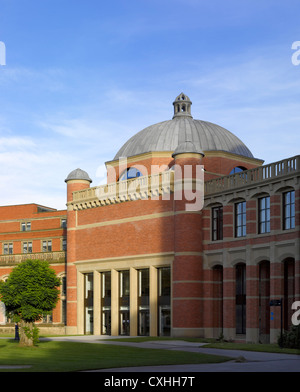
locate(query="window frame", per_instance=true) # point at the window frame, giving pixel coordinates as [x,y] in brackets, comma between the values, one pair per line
[217,223]
[29,247]
[8,248]
[266,211]
[26,226]
[291,204]
[47,246]
[243,215]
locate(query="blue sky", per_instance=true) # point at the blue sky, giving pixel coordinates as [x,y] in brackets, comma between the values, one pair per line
[81,77]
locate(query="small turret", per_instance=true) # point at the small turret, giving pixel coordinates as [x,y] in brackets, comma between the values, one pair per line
[78,179]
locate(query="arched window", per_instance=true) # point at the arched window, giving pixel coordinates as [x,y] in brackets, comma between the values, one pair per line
[237,169]
[129,173]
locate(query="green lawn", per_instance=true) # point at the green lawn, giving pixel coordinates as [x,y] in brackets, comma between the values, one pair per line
[54,356]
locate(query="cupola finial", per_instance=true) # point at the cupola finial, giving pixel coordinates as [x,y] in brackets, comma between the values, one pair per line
[182,106]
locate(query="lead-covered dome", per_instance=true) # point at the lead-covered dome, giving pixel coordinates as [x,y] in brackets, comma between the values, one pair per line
[78,174]
[167,135]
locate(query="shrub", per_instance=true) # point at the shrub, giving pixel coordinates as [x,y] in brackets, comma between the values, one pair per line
[291,338]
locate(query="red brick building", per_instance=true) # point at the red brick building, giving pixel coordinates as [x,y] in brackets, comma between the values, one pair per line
[32,231]
[143,261]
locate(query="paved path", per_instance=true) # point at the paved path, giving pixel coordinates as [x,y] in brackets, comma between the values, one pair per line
[242,361]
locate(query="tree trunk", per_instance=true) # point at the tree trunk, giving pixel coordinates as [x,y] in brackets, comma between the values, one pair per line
[26,336]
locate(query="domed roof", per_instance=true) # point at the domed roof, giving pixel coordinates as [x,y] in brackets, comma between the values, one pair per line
[78,174]
[167,135]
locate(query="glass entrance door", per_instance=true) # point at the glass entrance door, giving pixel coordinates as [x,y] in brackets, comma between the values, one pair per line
[124,321]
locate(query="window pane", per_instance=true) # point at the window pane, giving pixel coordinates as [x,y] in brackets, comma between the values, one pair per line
[292,223]
[287,211]
[44,246]
[293,197]
[287,197]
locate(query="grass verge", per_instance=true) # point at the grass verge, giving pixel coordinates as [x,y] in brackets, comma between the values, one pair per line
[57,356]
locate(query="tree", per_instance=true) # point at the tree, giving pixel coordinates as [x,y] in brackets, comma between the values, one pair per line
[30,292]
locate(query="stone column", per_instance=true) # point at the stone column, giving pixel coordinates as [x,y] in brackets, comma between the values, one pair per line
[153,300]
[97,303]
[252,303]
[276,292]
[229,282]
[80,304]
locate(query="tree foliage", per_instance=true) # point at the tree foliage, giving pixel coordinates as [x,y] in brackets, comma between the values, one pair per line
[30,291]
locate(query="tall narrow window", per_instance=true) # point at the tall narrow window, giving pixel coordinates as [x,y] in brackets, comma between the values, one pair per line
[106,303]
[241,299]
[88,304]
[164,301]
[63,299]
[143,302]
[217,223]
[124,300]
[289,210]
[264,214]
[240,219]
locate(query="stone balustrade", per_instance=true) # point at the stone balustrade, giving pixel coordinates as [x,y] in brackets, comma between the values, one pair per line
[163,183]
[134,189]
[247,178]
[48,256]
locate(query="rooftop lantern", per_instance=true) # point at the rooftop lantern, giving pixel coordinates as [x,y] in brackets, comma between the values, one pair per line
[182,106]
